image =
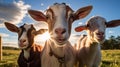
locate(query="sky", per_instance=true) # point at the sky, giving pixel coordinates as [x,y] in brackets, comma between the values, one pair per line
[15,11]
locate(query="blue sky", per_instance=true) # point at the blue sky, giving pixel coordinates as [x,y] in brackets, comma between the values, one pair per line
[108,9]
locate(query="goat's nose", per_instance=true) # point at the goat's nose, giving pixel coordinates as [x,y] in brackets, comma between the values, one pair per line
[60,31]
[22,41]
[100,33]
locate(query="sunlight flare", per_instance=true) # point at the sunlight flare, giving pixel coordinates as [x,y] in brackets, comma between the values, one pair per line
[43,37]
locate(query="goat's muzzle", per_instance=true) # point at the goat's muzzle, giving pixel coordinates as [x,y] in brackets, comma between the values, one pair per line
[21,42]
[100,36]
[60,35]
[60,31]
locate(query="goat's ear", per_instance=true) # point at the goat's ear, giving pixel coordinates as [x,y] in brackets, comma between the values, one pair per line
[11,27]
[113,23]
[41,31]
[37,15]
[82,12]
[80,28]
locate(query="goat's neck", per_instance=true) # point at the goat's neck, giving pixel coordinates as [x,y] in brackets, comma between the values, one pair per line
[27,53]
[58,50]
[91,42]
[91,45]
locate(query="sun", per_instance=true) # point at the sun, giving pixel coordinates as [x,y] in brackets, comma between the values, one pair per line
[43,37]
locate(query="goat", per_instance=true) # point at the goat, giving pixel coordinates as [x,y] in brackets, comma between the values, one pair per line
[88,52]
[58,51]
[30,55]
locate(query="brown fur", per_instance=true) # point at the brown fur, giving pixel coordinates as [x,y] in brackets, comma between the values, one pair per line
[34,60]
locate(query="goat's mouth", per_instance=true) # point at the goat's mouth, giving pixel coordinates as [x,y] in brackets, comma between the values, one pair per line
[61,41]
[100,38]
[22,46]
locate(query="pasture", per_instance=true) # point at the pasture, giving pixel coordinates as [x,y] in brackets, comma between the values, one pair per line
[110,58]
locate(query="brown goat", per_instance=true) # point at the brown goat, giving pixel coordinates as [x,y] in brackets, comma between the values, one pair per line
[30,55]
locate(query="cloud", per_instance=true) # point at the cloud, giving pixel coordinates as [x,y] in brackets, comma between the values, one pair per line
[42,4]
[4,35]
[68,4]
[13,12]
[80,23]
[40,25]
[74,38]
[110,32]
[10,44]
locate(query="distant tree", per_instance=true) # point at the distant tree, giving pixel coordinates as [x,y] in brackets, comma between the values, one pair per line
[9,48]
[112,43]
[105,45]
[118,42]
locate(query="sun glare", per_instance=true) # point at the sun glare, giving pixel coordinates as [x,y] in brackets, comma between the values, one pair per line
[43,37]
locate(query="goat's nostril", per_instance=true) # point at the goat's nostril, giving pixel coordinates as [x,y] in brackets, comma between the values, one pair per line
[22,40]
[60,31]
[56,31]
[63,31]
[100,33]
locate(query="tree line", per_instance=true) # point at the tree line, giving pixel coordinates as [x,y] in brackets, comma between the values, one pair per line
[111,43]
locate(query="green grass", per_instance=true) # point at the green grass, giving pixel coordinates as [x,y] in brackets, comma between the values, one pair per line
[110,58]
[9,58]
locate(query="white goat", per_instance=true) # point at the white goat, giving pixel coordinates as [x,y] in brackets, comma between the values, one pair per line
[89,54]
[58,52]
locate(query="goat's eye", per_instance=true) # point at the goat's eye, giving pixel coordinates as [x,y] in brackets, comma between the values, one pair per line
[33,32]
[105,23]
[47,16]
[19,30]
[87,25]
[71,16]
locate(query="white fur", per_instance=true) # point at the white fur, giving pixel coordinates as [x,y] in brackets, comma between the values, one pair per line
[61,50]
[27,53]
[52,61]
[24,37]
[89,46]
[61,21]
[89,54]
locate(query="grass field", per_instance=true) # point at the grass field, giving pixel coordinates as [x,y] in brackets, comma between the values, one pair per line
[110,58]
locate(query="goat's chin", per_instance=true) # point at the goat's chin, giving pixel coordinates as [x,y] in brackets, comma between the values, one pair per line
[100,40]
[60,42]
[23,47]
